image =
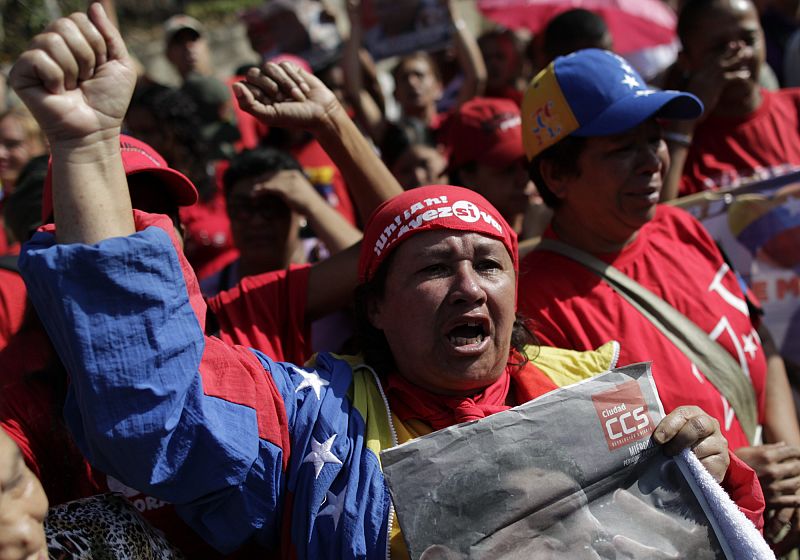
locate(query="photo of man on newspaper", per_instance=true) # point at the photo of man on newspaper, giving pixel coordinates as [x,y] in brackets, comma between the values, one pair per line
[540,506]
[573,474]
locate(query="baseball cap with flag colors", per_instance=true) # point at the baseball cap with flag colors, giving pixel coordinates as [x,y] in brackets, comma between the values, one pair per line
[593,92]
[424,209]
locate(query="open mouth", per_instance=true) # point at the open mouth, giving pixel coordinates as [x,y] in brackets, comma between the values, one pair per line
[649,194]
[469,334]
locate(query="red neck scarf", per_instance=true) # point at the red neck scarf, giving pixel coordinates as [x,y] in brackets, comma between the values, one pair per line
[410,402]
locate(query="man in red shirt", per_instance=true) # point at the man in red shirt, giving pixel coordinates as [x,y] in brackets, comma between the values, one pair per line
[486,156]
[746,133]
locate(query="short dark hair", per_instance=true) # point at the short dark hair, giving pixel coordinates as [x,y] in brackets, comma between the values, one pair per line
[422,55]
[23,208]
[455,177]
[177,112]
[400,136]
[689,15]
[502,36]
[571,30]
[563,155]
[373,344]
[255,162]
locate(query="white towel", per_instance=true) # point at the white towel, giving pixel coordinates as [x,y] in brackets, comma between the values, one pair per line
[738,536]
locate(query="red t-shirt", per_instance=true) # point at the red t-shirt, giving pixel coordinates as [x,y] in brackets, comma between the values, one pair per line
[675,258]
[13,298]
[6,246]
[267,312]
[728,151]
[208,238]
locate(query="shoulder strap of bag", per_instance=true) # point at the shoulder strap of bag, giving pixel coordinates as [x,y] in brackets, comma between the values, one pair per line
[718,366]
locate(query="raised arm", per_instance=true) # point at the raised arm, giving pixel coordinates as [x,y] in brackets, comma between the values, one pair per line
[301,196]
[469,56]
[287,96]
[369,114]
[77,80]
[145,401]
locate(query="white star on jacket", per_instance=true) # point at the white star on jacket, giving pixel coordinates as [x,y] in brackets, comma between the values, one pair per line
[310,379]
[321,454]
[334,506]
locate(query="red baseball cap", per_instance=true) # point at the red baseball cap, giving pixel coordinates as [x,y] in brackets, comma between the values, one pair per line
[137,157]
[429,208]
[486,130]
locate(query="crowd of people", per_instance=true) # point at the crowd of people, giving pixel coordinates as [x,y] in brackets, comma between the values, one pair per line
[222,300]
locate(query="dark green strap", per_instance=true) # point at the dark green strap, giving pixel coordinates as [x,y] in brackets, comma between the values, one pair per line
[9,262]
[712,360]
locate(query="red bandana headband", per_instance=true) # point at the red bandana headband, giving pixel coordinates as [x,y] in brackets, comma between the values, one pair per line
[429,208]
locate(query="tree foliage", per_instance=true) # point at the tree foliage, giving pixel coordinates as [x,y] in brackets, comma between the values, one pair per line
[20,20]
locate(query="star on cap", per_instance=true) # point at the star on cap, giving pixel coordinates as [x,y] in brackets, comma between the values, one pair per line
[310,379]
[321,454]
[631,81]
[622,63]
[334,506]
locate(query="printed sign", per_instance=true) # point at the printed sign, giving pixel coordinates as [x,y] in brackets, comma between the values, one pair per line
[393,28]
[300,27]
[758,228]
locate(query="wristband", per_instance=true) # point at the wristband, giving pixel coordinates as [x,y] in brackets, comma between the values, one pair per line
[684,140]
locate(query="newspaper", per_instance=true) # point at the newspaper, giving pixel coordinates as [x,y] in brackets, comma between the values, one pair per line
[572,474]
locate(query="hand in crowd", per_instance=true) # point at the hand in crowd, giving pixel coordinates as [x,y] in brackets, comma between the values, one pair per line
[284,95]
[778,468]
[76,78]
[690,427]
[23,507]
[718,70]
[293,187]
